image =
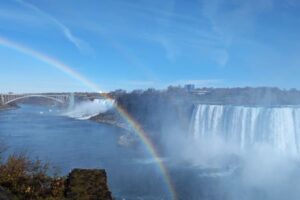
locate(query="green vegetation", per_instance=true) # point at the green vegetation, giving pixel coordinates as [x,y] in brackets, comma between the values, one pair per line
[23,179]
[86,184]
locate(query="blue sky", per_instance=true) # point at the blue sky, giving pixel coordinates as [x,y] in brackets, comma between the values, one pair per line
[151,43]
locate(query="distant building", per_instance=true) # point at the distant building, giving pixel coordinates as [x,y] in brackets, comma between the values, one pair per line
[119,91]
[189,87]
[151,90]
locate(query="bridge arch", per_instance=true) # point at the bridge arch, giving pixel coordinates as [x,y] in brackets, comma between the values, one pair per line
[38,96]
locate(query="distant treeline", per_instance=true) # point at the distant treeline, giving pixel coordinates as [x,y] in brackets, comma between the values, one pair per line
[157,111]
[264,96]
[170,110]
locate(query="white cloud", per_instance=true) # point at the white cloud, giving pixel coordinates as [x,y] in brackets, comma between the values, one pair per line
[232,23]
[80,44]
[172,51]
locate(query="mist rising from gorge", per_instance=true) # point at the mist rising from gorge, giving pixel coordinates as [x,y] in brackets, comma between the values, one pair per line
[240,143]
[256,149]
[230,146]
[87,109]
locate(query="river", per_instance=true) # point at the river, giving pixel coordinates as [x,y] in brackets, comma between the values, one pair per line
[203,167]
[67,143]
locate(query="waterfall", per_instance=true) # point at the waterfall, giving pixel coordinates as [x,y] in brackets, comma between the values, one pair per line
[87,109]
[71,101]
[247,127]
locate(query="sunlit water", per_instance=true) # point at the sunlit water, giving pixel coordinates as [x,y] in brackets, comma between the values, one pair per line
[200,168]
[69,143]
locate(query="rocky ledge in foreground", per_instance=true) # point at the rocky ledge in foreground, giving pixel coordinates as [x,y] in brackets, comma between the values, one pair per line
[85,184]
[80,184]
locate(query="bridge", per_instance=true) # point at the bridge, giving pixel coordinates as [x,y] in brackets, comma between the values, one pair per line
[10,98]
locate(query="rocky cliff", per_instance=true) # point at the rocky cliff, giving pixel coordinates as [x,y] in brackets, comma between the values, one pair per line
[84,184]
[80,184]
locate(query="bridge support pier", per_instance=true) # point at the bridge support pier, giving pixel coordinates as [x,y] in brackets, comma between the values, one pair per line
[2,100]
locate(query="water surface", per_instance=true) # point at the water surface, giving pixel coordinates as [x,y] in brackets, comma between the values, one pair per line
[68,143]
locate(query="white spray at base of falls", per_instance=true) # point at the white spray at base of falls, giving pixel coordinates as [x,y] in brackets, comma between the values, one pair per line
[87,109]
[246,127]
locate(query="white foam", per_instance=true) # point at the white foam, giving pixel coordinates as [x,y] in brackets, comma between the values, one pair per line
[87,109]
[247,127]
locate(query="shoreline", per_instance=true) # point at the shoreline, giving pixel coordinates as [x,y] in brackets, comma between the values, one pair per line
[7,107]
[112,123]
[96,119]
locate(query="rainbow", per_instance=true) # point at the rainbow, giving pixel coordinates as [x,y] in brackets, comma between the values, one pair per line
[74,74]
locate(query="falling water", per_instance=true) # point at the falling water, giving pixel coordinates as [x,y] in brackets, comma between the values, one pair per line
[249,126]
[71,101]
[87,109]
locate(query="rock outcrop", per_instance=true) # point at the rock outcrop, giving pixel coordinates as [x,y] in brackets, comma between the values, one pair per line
[80,184]
[6,194]
[84,184]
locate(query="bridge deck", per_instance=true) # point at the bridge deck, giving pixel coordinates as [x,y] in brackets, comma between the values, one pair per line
[9,98]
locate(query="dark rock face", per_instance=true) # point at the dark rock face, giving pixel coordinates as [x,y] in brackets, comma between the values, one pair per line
[107,116]
[83,184]
[6,194]
[159,112]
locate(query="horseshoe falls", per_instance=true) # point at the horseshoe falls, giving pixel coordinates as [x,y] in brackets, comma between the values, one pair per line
[247,127]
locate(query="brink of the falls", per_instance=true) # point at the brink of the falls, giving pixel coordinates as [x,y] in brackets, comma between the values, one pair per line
[247,127]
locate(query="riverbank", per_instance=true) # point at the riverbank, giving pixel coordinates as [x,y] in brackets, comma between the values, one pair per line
[110,118]
[7,107]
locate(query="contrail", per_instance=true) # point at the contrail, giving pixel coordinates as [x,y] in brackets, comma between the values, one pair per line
[80,44]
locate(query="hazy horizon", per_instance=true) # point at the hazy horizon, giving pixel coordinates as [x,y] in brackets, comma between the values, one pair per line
[144,89]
